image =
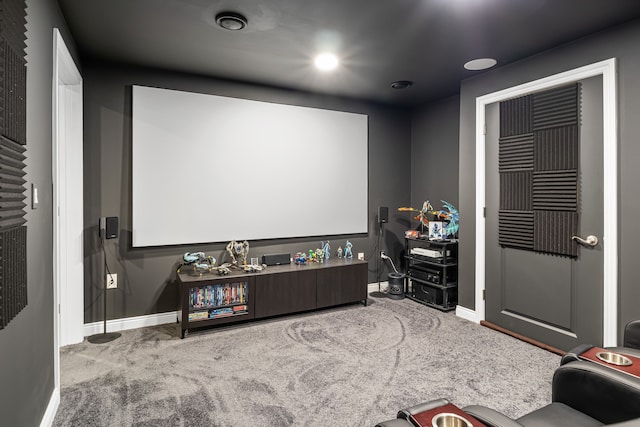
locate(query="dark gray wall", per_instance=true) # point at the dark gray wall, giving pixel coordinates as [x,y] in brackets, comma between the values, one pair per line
[434,153]
[621,43]
[146,276]
[26,344]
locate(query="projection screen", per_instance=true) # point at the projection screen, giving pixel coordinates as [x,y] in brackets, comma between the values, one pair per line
[209,168]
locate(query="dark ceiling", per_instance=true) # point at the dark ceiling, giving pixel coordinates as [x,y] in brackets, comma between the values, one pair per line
[377,41]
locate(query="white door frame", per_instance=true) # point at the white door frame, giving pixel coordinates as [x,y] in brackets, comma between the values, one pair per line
[67,178]
[606,69]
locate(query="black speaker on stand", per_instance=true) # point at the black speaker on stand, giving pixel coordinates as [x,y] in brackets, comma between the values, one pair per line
[108,227]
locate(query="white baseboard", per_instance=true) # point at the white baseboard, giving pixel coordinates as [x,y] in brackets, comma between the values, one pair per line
[124,324]
[130,323]
[52,408]
[467,313]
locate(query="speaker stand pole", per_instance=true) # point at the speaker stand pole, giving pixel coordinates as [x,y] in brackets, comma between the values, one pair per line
[378,262]
[104,337]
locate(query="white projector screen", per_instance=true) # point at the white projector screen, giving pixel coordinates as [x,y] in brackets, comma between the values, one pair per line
[212,169]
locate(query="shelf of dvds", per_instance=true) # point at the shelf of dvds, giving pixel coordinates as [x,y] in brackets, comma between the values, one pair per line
[214,300]
[208,300]
[432,272]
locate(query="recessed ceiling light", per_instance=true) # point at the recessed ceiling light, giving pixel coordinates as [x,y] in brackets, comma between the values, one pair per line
[326,61]
[231,21]
[480,64]
[401,84]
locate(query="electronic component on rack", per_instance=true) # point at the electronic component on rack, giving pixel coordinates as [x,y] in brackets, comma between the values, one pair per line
[427,252]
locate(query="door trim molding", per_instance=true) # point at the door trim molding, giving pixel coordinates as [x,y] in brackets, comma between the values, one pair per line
[66,107]
[606,69]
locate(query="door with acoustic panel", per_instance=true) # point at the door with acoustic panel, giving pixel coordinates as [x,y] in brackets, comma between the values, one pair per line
[544,181]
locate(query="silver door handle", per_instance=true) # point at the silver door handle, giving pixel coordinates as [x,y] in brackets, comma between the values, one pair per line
[591,241]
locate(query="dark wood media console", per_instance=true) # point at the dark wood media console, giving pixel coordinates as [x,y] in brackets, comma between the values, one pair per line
[209,299]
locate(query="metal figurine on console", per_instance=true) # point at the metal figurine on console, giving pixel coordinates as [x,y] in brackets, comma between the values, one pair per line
[238,252]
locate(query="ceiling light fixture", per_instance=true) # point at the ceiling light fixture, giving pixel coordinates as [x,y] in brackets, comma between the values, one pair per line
[326,61]
[480,64]
[231,21]
[401,84]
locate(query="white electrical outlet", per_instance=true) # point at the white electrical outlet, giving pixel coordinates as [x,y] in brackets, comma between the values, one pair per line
[361,256]
[112,281]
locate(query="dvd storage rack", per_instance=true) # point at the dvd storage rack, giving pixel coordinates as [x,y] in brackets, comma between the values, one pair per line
[432,272]
[218,300]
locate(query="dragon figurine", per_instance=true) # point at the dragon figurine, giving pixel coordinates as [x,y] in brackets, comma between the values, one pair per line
[452,216]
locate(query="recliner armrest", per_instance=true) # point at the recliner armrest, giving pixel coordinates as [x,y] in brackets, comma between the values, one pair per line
[490,417]
[632,334]
[421,407]
[601,392]
[574,354]
[396,422]
[625,350]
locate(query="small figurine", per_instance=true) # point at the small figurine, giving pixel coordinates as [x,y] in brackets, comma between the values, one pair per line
[238,252]
[320,255]
[326,249]
[339,251]
[312,256]
[223,270]
[254,268]
[301,258]
[348,250]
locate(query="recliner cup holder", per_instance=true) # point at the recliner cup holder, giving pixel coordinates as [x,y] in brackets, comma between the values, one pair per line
[614,358]
[450,420]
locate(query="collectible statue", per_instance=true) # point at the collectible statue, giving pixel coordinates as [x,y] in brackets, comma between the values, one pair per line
[223,270]
[253,268]
[326,248]
[450,215]
[348,250]
[300,258]
[339,251]
[200,262]
[320,255]
[238,252]
[422,213]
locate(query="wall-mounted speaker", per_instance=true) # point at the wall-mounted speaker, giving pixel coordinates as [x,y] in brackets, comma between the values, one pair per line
[383,214]
[109,227]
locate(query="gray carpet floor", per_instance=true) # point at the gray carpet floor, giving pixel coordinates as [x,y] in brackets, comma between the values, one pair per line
[349,366]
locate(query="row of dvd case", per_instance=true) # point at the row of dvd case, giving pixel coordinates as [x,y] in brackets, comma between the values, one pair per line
[216,313]
[222,294]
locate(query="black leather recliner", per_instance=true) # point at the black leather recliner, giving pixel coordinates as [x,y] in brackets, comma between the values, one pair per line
[631,339]
[584,394]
